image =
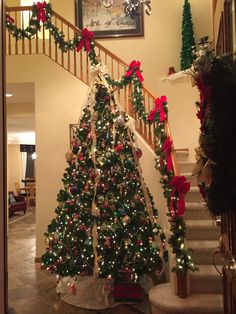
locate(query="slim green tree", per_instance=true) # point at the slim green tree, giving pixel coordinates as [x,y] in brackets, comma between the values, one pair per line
[105,221]
[188,41]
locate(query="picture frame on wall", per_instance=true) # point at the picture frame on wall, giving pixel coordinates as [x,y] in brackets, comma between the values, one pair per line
[107,21]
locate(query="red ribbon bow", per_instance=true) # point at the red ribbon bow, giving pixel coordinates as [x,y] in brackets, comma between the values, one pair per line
[41,15]
[10,19]
[205,94]
[181,187]
[167,148]
[135,67]
[87,36]
[158,106]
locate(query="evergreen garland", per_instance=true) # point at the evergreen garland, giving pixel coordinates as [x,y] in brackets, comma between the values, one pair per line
[215,78]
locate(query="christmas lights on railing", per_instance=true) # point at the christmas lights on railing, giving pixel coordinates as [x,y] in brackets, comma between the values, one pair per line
[132,8]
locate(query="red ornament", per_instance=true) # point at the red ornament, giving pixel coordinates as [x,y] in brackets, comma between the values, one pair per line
[118,148]
[138,152]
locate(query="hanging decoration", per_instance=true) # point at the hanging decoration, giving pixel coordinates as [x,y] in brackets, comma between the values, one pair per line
[133,8]
[42,14]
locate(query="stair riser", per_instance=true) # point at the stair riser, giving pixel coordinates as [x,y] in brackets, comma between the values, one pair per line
[192,180]
[204,257]
[193,196]
[186,167]
[202,233]
[206,285]
[181,156]
[196,214]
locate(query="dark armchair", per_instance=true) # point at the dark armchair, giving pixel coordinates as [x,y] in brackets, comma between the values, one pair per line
[16,203]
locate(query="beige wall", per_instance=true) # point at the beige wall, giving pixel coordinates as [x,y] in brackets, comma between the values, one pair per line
[14,166]
[58,100]
[182,113]
[160,47]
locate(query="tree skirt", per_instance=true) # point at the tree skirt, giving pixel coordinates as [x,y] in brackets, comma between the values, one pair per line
[86,292]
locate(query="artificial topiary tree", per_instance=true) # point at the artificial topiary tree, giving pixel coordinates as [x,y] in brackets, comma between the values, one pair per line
[188,42]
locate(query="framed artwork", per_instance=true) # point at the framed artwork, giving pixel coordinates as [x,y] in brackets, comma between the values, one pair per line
[107,19]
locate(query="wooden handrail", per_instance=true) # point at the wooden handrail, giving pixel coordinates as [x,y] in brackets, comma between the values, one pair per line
[75,65]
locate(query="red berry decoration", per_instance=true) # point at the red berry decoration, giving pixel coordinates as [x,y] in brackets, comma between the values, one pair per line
[118,148]
[138,152]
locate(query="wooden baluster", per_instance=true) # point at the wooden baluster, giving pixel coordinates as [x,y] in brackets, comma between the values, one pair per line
[81,66]
[30,42]
[9,43]
[68,57]
[75,69]
[55,42]
[144,124]
[112,68]
[43,40]
[118,72]
[62,53]
[22,26]
[130,105]
[16,45]
[50,45]
[87,69]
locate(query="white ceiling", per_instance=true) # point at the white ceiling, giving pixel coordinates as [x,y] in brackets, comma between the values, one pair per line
[21,113]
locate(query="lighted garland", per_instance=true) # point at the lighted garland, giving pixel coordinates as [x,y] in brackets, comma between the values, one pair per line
[174,187]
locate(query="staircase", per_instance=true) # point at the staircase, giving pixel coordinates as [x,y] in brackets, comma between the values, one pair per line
[202,233]
[202,236]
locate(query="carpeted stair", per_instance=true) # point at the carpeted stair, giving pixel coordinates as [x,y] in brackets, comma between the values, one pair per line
[202,236]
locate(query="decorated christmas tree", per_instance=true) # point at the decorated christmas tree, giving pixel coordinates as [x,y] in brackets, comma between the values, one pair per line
[106,222]
[188,41]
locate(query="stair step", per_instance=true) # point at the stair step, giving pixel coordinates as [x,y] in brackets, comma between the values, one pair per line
[164,301]
[202,251]
[190,178]
[186,166]
[202,230]
[206,280]
[182,155]
[194,195]
[196,210]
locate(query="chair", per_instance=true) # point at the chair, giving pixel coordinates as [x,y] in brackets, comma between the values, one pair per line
[30,194]
[19,190]
[16,203]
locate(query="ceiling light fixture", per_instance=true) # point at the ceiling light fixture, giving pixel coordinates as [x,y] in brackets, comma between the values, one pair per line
[8,95]
[133,8]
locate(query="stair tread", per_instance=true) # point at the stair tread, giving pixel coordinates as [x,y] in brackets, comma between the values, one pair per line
[194,189]
[200,223]
[206,271]
[202,244]
[199,205]
[161,297]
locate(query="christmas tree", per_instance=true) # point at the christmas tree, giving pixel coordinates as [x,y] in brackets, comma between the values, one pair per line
[188,42]
[105,221]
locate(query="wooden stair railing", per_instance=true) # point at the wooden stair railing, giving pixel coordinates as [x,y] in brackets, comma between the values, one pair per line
[78,64]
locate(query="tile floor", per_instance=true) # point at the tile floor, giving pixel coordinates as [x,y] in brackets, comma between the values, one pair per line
[32,290]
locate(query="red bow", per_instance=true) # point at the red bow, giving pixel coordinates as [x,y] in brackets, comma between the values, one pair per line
[135,67]
[181,187]
[167,148]
[205,94]
[41,13]
[158,106]
[87,36]
[10,19]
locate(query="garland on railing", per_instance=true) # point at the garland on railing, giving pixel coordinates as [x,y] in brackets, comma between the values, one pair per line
[174,187]
[215,78]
